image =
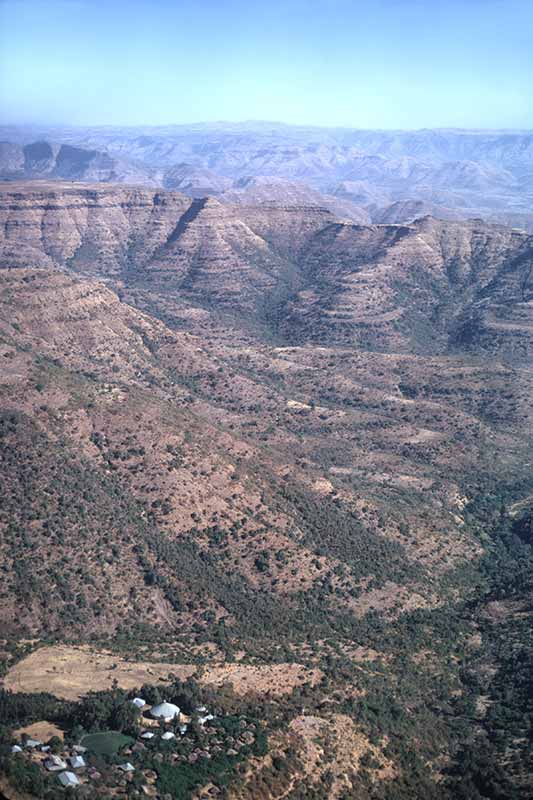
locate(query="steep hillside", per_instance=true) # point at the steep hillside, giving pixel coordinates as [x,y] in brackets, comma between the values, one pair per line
[202,246]
[429,286]
[317,505]
[237,446]
[415,287]
[259,443]
[94,228]
[96,388]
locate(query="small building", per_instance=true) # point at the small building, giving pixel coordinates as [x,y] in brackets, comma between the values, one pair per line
[200,709]
[165,711]
[139,702]
[183,729]
[68,779]
[147,735]
[77,762]
[16,748]
[55,763]
[45,748]
[79,749]
[31,744]
[168,735]
[207,718]
[127,767]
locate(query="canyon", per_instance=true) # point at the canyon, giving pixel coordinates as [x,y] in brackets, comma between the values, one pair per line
[289,438]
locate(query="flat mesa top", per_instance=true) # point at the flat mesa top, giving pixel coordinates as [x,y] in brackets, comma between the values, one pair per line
[34,186]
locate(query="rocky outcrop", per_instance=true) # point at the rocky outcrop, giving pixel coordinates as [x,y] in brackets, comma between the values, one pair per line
[98,229]
[454,173]
[218,252]
[427,286]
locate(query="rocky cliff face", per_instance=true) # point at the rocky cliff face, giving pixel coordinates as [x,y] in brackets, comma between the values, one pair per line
[426,286]
[141,234]
[452,173]
[97,229]
[401,287]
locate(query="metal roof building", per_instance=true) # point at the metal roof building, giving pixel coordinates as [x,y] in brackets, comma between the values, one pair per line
[68,779]
[166,711]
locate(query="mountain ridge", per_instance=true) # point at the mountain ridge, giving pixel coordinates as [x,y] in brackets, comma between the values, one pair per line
[459,174]
[267,259]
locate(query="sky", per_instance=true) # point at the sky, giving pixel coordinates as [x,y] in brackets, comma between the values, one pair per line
[353,63]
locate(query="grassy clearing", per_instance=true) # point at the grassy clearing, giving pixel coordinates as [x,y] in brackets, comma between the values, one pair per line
[106,743]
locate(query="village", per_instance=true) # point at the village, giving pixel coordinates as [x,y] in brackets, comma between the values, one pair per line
[161,739]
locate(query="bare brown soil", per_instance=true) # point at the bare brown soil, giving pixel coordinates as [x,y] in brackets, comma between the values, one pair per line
[273,679]
[42,731]
[71,672]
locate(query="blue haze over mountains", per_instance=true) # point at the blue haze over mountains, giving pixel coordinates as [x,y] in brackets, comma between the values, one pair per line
[363,175]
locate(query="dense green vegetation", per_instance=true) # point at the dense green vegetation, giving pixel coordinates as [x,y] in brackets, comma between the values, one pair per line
[180,780]
[106,742]
[87,722]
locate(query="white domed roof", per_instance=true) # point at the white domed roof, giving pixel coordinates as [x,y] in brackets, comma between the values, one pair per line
[165,711]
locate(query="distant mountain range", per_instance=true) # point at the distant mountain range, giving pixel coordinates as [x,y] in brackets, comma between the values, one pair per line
[365,176]
[43,159]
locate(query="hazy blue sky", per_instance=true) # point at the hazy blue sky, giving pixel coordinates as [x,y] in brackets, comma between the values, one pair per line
[367,63]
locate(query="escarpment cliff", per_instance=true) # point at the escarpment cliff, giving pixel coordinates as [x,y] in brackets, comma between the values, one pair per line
[97,229]
[426,286]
